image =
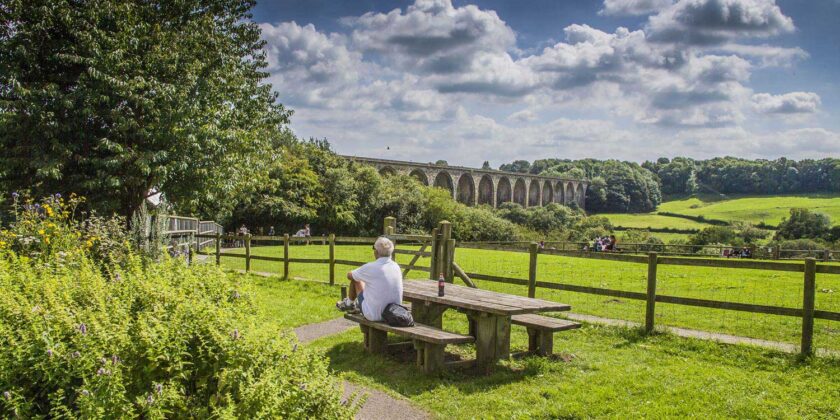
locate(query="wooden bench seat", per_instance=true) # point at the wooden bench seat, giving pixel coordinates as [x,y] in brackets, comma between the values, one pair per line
[541,331]
[429,342]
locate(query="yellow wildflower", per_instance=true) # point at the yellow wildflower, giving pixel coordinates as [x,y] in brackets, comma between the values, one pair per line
[41,231]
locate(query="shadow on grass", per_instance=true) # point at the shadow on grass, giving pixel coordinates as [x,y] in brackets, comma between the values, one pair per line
[397,371]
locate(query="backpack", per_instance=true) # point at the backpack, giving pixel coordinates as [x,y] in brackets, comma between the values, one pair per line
[397,315]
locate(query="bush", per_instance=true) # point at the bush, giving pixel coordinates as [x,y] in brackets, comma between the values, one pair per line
[804,223]
[140,339]
[646,241]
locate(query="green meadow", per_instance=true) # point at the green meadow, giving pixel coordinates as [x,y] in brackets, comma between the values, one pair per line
[763,287]
[754,209]
[599,371]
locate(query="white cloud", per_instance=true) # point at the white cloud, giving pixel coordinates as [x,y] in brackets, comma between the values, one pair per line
[767,55]
[708,22]
[633,7]
[436,79]
[525,115]
[789,103]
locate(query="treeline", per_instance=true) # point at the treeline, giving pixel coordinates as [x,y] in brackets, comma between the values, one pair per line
[627,187]
[616,186]
[730,175]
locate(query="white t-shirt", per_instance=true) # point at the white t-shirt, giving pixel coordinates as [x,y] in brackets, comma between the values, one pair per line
[383,285]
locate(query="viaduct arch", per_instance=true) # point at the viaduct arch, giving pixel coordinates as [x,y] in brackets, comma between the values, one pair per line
[486,186]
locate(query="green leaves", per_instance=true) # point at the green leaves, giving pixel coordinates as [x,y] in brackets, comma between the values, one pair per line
[160,94]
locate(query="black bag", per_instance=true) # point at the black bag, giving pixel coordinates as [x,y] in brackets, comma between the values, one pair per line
[397,315]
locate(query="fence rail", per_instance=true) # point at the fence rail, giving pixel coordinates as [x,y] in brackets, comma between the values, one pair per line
[769,253]
[809,268]
[442,261]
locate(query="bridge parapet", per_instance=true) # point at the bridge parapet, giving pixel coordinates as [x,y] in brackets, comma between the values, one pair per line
[473,186]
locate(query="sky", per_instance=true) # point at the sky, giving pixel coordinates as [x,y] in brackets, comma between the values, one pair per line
[497,81]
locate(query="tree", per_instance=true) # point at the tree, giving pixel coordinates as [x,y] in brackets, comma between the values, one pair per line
[803,223]
[486,165]
[517,166]
[441,162]
[108,98]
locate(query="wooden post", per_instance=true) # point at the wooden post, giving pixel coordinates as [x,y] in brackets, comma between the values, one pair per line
[433,259]
[218,249]
[450,261]
[248,253]
[808,297]
[390,227]
[777,252]
[445,229]
[197,242]
[285,256]
[826,255]
[651,292]
[332,259]
[533,249]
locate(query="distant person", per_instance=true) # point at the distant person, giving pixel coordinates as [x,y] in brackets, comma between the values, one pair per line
[610,243]
[304,233]
[542,245]
[745,253]
[271,231]
[243,230]
[374,285]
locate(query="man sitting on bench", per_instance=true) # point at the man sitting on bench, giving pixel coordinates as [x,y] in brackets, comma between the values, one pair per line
[374,285]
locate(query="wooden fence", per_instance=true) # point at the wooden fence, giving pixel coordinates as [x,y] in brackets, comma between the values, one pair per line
[331,240]
[440,248]
[707,251]
[809,268]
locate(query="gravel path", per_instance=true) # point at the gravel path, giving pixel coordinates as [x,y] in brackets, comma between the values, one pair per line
[378,404]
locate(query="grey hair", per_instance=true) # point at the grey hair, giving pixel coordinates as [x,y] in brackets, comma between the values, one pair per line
[383,246]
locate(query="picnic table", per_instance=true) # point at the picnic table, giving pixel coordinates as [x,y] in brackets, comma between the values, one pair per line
[489,314]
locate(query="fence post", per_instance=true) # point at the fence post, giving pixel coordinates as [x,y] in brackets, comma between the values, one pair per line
[533,248]
[826,255]
[218,249]
[197,241]
[433,259]
[777,252]
[390,227]
[248,253]
[332,259]
[450,261]
[808,297]
[445,229]
[651,292]
[285,256]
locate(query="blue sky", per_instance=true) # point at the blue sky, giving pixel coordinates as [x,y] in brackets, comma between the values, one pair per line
[469,81]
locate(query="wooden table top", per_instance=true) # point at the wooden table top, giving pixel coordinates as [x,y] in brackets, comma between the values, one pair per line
[477,299]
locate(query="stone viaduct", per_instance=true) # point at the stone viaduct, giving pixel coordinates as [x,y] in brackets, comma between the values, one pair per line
[487,186]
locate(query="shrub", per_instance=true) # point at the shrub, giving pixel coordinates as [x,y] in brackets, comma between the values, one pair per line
[804,223]
[646,241]
[142,339]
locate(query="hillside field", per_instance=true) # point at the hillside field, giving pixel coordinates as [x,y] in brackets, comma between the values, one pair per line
[754,209]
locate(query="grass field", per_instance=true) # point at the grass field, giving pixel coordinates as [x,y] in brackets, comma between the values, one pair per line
[754,209]
[602,371]
[734,285]
[649,220]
